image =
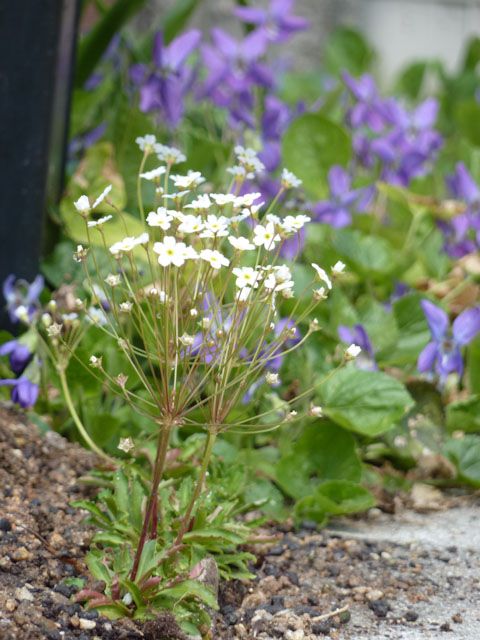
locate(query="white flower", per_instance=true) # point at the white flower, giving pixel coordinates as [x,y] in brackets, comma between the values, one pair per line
[290,180]
[160,218]
[128,244]
[215,227]
[96,316]
[95,362]
[187,340]
[125,307]
[202,203]
[146,143]
[170,155]
[193,313]
[246,200]
[223,198]
[176,197]
[154,173]
[319,294]
[271,217]
[172,252]
[126,445]
[280,279]
[338,267]
[99,222]
[113,280]
[266,236]
[241,243]
[352,352]
[248,158]
[246,213]
[82,205]
[192,179]
[315,411]
[272,378]
[80,254]
[246,277]
[102,196]
[214,258]
[282,273]
[291,415]
[240,173]
[163,297]
[322,274]
[292,224]
[190,224]
[242,294]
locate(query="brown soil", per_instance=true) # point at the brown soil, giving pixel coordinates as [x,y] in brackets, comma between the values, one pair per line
[379,587]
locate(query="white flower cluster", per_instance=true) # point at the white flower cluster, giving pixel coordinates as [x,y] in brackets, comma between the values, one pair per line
[249,165]
[202,281]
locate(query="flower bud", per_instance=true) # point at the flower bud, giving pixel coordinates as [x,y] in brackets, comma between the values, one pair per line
[95,362]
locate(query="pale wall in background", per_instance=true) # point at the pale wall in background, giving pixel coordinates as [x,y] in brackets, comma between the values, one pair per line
[400,30]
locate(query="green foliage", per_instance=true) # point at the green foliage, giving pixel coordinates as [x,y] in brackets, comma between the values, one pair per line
[311,145]
[467,115]
[334,498]
[465,454]
[324,451]
[464,415]
[347,49]
[177,17]
[95,43]
[369,256]
[366,402]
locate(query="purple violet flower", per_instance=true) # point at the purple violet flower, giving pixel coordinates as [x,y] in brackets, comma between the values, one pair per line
[368,108]
[19,355]
[233,70]
[462,233]
[343,199]
[443,354]
[164,87]
[24,391]
[293,246]
[277,21]
[22,297]
[358,335]
[402,143]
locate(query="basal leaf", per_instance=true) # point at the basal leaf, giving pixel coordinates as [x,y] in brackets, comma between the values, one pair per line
[367,402]
[311,145]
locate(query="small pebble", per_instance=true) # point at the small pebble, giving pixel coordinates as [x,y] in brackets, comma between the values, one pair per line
[321,628]
[10,605]
[23,594]
[445,627]
[457,618]
[87,624]
[21,554]
[379,607]
[5,525]
[411,615]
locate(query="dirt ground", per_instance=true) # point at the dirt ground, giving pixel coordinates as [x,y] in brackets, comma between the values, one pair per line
[397,577]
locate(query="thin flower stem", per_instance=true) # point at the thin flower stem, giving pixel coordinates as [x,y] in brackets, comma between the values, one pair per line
[149,522]
[76,418]
[207,454]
